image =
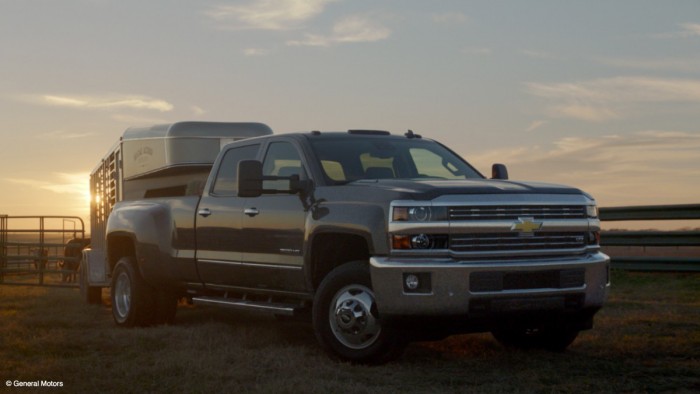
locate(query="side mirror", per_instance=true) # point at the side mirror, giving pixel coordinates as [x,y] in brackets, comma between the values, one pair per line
[250,178]
[499,171]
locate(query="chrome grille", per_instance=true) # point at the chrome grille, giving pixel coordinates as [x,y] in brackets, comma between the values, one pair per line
[515,242]
[513,212]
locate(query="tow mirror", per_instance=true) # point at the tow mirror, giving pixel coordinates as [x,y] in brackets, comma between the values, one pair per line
[499,171]
[250,178]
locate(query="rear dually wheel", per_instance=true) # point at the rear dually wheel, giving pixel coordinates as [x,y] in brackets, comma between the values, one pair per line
[133,302]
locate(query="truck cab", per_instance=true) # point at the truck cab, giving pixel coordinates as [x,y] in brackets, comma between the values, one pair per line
[160,161]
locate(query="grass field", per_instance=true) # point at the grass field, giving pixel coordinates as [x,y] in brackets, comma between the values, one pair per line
[647,339]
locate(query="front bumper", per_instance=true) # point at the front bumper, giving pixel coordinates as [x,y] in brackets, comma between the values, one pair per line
[486,288]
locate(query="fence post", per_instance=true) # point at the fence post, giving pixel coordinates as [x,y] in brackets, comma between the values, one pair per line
[3,246]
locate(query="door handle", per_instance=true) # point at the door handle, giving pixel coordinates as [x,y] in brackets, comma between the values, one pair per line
[204,212]
[251,211]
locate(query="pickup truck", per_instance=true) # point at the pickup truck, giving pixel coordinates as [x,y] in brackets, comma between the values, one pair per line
[382,238]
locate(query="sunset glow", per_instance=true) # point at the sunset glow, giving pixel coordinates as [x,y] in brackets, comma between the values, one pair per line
[607,101]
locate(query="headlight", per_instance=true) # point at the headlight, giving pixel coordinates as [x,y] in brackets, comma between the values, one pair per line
[419,241]
[592,211]
[421,213]
[594,238]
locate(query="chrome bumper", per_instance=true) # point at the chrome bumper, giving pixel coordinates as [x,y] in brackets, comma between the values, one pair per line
[469,287]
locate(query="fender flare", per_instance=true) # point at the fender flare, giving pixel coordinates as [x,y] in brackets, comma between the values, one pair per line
[149,229]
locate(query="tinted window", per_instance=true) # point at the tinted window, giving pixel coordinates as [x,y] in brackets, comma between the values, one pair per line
[226,179]
[282,159]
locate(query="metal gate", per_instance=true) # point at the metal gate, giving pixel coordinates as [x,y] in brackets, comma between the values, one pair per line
[41,250]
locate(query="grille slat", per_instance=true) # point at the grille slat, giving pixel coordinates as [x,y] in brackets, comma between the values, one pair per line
[479,242]
[517,211]
[515,242]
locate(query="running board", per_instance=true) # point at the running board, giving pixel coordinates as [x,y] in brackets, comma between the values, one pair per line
[274,307]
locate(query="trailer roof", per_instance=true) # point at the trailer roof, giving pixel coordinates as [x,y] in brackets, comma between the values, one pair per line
[198,129]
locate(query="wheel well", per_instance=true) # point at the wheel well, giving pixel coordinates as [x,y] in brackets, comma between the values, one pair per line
[119,246]
[332,250]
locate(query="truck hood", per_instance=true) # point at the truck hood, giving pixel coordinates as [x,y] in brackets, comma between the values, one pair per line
[429,189]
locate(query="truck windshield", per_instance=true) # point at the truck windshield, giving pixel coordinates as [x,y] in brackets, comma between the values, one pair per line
[350,159]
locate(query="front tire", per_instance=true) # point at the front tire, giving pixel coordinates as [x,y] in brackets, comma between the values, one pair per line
[346,321]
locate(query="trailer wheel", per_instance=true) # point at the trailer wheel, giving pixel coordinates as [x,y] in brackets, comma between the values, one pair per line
[346,321]
[89,294]
[132,298]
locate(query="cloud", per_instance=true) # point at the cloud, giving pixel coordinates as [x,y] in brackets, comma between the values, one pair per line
[114,102]
[63,135]
[197,110]
[359,29]
[255,52]
[604,99]
[68,191]
[589,113]
[691,64]
[688,30]
[536,125]
[646,167]
[65,183]
[691,29]
[622,89]
[267,14]
[352,29]
[293,14]
[138,120]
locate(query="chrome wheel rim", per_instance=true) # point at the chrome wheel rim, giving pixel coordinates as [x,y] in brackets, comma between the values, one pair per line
[352,317]
[122,296]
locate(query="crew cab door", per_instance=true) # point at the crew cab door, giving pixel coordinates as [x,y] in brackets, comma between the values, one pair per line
[273,224]
[218,221]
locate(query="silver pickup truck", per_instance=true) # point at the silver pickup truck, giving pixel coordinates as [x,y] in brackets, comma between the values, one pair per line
[382,239]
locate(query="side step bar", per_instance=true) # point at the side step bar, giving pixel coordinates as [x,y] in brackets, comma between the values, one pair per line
[277,308]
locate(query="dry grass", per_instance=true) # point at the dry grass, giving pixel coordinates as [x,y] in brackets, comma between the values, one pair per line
[647,339]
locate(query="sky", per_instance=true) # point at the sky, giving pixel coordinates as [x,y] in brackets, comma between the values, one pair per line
[601,95]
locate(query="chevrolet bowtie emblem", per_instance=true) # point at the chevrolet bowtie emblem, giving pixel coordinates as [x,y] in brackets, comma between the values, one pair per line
[526,226]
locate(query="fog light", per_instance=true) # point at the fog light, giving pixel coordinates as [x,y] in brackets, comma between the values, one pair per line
[411,281]
[420,241]
[417,283]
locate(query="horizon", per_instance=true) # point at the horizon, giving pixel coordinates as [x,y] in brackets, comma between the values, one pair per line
[604,97]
